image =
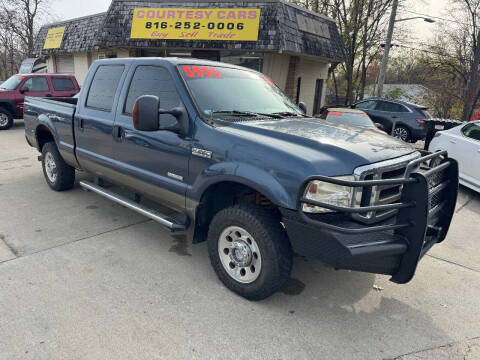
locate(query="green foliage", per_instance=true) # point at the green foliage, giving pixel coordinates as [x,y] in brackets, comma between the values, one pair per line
[395,94]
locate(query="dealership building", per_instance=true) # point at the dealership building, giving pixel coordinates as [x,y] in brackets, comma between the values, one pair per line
[296,48]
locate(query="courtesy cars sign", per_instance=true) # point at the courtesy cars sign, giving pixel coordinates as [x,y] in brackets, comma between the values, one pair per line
[54,38]
[196,24]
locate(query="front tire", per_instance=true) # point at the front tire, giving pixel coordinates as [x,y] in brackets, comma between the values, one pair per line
[59,175]
[249,251]
[6,119]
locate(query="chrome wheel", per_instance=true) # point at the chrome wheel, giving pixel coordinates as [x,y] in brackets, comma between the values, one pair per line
[50,167]
[3,119]
[239,254]
[401,133]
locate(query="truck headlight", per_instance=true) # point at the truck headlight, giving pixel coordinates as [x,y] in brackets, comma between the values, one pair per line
[328,193]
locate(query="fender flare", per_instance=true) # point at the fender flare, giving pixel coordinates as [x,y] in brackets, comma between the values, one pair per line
[256,178]
[45,122]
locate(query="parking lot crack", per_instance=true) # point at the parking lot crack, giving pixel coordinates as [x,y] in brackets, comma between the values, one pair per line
[453,263]
[74,241]
[414,353]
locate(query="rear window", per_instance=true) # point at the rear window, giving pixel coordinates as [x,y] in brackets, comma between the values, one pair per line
[62,84]
[350,119]
[425,114]
[101,94]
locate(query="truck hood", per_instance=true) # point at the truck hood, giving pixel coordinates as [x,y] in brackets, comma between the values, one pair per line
[6,93]
[354,145]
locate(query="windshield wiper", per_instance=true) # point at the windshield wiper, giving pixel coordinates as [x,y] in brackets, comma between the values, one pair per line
[287,113]
[245,113]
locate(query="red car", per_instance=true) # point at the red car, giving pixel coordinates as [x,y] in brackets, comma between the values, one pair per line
[14,90]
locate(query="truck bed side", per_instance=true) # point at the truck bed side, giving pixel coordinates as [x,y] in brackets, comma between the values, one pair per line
[51,120]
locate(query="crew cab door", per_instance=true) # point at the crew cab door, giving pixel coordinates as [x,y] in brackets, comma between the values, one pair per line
[94,118]
[152,163]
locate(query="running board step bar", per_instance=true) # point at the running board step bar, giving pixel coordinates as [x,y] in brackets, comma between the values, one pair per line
[152,214]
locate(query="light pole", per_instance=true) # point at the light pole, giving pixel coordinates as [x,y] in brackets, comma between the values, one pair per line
[388,44]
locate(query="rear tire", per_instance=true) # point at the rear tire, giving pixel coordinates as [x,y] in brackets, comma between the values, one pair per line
[402,133]
[249,251]
[6,119]
[59,175]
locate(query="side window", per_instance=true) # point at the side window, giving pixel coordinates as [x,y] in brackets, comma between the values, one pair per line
[153,80]
[366,105]
[472,131]
[101,94]
[390,107]
[62,84]
[397,108]
[36,84]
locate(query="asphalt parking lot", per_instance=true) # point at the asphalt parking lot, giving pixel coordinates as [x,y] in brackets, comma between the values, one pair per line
[83,278]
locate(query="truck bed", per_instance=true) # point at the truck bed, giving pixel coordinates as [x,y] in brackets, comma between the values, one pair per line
[56,115]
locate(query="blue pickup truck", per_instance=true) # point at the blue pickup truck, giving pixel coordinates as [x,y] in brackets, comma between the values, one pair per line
[237,164]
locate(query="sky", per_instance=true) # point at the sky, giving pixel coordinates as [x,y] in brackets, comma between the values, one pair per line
[417,31]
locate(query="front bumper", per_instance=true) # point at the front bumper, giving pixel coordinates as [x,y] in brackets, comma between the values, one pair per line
[394,246]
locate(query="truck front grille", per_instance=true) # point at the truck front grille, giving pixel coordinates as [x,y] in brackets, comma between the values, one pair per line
[384,194]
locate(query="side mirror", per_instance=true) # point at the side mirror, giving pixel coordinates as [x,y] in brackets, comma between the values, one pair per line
[24,90]
[145,113]
[302,107]
[147,116]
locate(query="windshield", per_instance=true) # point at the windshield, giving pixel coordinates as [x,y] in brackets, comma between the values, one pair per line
[355,119]
[12,82]
[228,92]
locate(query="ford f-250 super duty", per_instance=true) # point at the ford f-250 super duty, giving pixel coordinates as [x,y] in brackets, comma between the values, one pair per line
[239,165]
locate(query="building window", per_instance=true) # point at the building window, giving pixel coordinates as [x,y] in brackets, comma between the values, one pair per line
[250,60]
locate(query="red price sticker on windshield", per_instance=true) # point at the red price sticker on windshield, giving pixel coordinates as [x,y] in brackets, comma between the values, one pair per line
[201,72]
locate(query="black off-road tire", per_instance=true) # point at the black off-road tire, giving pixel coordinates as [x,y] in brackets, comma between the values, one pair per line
[271,238]
[8,114]
[65,174]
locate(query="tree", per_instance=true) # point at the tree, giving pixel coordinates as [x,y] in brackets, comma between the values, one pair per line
[23,17]
[361,25]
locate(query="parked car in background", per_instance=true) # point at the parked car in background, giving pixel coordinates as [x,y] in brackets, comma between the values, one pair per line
[400,119]
[463,144]
[14,90]
[346,116]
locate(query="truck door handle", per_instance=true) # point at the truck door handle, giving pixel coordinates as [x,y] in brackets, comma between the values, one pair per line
[48,95]
[117,132]
[453,142]
[80,123]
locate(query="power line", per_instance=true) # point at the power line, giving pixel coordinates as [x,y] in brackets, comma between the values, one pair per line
[430,52]
[432,17]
